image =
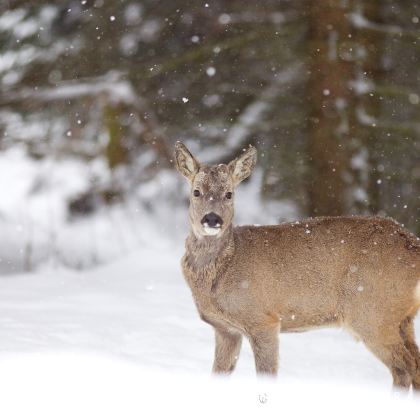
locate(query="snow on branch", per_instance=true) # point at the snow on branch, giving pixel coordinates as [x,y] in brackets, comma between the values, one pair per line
[368,120]
[360,21]
[110,84]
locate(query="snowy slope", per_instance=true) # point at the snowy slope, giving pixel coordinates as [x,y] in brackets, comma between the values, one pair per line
[125,338]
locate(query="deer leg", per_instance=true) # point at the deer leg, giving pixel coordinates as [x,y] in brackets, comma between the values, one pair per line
[395,355]
[265,345]
[407,334]
[228,346]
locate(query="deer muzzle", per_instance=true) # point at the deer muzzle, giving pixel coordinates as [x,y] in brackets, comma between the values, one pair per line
[212,224]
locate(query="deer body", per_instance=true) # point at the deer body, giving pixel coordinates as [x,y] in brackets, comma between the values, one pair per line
[359,273]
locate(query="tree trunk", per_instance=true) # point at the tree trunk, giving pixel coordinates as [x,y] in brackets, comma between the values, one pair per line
[332,53]
[116,153]
[372,42]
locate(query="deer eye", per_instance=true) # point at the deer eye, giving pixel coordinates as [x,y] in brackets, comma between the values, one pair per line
[228,195]
[196,193]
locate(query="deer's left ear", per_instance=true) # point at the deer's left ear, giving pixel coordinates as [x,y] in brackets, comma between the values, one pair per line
[185,162]
[242,166]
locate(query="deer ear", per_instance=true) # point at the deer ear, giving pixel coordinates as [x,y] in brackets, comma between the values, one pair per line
[242,166]
[185,162]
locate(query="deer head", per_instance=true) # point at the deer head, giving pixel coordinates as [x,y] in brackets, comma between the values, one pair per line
[212,189]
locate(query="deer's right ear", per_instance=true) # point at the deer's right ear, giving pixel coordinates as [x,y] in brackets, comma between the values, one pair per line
[185,162]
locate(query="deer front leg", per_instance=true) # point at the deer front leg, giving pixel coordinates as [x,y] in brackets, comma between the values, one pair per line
[228,346]
[265,345]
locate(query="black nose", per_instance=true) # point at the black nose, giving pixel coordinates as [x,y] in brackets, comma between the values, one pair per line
[212,220]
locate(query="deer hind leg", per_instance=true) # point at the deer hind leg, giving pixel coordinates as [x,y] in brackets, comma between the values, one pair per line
[392,351]
[407,334]
[228,346]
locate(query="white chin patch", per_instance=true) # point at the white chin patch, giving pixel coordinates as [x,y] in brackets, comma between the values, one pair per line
[211,231]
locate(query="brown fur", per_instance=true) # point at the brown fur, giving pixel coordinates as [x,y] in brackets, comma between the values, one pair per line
[360,273]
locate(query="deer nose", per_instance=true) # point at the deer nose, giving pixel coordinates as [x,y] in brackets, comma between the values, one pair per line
[212,220]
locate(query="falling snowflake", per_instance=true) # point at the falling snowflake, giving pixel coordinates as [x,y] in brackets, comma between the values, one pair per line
[413,98]
[224,19]
[211,71]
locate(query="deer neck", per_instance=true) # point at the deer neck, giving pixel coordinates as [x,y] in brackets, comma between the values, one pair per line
[208,257]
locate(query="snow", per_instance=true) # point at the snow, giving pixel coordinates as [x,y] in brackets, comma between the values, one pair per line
[360,21]
[110,84]
[125,339]
[414,99]
[37,227]
[112,389]
[224,19]
[211,71]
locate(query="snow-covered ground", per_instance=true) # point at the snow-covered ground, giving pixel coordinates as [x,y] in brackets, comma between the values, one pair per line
[124,339]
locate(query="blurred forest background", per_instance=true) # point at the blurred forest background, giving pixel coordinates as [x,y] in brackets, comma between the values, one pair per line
[94,93]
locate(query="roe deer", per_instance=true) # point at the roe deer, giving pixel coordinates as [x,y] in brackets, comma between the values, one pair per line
[359,273]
